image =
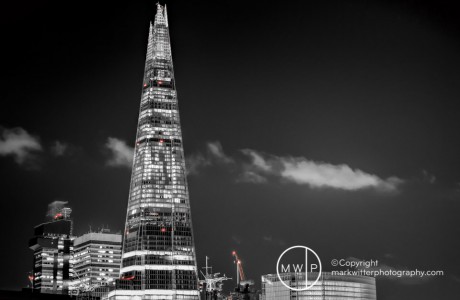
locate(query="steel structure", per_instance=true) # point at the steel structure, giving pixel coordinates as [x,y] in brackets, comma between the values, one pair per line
[212,282]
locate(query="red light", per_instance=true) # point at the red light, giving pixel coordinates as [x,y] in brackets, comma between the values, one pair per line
[161,141]
[163,229]
[58,215]
[160,82]
[31,277]
[145,84]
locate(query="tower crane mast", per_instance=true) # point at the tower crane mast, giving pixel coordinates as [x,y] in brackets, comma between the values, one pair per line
[239,268]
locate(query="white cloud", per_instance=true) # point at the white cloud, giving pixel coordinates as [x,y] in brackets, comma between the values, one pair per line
[298,170]
[427,176]
[251,177]
[58,148]
[216,150]
[121,153]
[257,159]
[320,174]
[195,162]
[214,155]
[268,238]
[55,207]
[18,143]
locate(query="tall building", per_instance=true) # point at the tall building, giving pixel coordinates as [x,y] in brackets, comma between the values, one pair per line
[96,263]
[158,259]
[329,286]
[52,246]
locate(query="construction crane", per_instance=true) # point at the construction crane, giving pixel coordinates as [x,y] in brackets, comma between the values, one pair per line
[213,281]
[84,287]
[239,269]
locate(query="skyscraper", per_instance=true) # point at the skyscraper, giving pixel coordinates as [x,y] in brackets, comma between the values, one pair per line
[52,246]
[158,260]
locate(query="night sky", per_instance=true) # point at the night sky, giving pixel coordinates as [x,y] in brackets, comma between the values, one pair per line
[329,124]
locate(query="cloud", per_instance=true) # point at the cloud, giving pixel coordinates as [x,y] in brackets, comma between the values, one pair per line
[428,177]
[257,160]
[298,170]
[213,155]
[302,171]
[59,149]
[55,207]
[121,154]
[251,177]
[20,144]
[215,149]
[195,162]
[267,238]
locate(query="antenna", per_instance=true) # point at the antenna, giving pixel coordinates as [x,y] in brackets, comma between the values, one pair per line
[206,268]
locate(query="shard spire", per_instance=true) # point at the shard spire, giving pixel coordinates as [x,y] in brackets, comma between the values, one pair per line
[158,260]
[160,16]
[166,16]
[149,55]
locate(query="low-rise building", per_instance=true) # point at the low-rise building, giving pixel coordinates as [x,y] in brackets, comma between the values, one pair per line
[329,286]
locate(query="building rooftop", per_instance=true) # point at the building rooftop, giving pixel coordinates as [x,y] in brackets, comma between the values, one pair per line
[98,236]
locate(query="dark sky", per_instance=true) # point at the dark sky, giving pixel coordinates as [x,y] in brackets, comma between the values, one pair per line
[373,85]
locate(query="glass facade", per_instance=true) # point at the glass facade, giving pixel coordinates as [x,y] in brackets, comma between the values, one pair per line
[328,287]
[158,260]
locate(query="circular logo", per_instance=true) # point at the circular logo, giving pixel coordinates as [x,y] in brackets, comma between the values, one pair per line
[299,260]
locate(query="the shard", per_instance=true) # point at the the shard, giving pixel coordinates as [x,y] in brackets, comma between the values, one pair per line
[158,260]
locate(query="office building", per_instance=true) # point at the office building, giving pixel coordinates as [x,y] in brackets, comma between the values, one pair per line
[96,263]
[52,246]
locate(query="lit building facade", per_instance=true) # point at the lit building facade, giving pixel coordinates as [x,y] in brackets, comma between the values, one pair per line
[96,263]
[52,246]
[158,260]
[328,287]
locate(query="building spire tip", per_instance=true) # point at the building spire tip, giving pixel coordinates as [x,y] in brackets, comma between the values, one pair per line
[166,16]
[161,15]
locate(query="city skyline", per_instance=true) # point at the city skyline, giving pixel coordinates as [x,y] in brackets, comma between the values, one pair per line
[333,120]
